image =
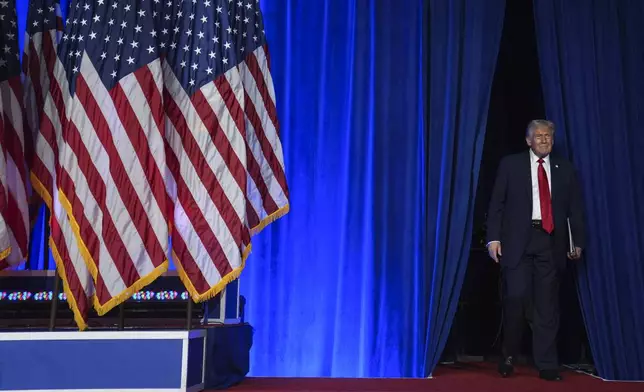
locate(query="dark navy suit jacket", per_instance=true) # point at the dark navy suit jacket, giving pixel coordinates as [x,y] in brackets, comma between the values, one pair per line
[509,217]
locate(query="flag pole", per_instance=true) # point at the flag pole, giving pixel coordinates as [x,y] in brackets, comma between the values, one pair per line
[54,302]
[121,325]
[53,311]
[189,314]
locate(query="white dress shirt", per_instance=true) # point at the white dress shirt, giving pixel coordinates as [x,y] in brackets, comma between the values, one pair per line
[534,167]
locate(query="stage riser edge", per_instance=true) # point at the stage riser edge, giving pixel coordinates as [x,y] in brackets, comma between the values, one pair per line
[103,361]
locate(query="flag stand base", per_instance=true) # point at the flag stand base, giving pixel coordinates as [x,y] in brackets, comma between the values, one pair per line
[161,360]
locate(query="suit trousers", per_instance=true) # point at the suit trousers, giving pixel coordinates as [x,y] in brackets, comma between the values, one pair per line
[531,293]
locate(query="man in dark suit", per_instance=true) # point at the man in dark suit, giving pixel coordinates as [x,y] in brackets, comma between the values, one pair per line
[535,195]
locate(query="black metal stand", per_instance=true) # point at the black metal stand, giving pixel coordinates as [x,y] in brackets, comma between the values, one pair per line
[189,314]
[54,302]
[53,312]
[121,325]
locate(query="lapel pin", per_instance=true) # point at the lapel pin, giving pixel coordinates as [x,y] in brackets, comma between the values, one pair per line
[556,166]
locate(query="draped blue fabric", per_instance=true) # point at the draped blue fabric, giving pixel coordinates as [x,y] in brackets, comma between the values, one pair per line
[383,108]
[464,40]
[337,287]
[592,57]
[363,276]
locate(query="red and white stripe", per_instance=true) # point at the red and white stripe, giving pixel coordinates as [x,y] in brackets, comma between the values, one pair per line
[118,173]
[38,62]
[14,180]
[77,281]
[45,98]
[207,158]
[114,192]
[5,232]
[267,187]
[230,125]
[98,167]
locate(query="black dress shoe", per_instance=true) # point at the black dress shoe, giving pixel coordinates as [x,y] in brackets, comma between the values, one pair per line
[550,375]
[506,367]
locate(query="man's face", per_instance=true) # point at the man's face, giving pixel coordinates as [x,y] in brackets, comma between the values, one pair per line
[540,141]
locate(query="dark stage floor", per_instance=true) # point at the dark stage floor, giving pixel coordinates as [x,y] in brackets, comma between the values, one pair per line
[475,378]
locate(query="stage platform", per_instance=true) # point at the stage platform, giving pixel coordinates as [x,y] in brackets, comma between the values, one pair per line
[103,360]
[124,361]
[464,378]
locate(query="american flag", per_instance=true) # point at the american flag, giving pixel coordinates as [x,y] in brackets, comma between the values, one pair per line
[14,187]
[44,28]
[165,123]
[45,115]
[220,108]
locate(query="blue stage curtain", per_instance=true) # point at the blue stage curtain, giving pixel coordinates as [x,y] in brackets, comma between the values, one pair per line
[336,288]
[592,58]
[363,276]
[464,39]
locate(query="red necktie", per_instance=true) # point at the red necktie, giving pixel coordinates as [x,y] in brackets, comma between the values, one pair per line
[544,199]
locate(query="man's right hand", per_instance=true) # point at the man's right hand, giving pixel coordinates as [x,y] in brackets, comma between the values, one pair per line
[494,250]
